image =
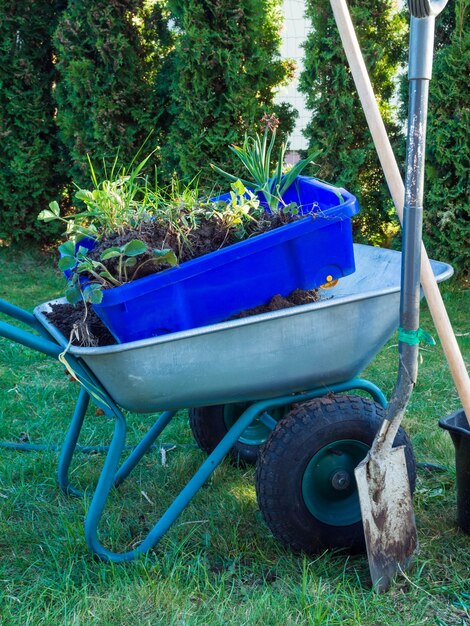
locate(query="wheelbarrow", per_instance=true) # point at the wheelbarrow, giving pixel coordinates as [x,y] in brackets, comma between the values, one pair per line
[274,387]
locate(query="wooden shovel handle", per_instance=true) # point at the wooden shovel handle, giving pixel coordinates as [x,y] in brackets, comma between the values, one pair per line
[397,191]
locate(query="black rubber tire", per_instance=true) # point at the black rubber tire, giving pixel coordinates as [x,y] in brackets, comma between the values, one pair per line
[208,427]
[284,458]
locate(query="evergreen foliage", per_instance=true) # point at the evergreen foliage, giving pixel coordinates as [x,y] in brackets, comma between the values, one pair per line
[109,53]
[447,204]
[338,126]
[225,67]
[30,175]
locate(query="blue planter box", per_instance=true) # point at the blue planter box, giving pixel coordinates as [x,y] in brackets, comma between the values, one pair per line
[301,255]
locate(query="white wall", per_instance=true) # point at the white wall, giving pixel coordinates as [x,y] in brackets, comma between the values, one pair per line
[295,31]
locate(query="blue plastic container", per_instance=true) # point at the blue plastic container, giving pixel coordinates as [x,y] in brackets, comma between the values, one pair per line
[301,255]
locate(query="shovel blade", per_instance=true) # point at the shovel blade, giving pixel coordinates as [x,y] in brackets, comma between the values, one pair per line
[387,515]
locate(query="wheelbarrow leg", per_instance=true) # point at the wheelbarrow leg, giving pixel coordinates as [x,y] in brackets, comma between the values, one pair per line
[73,434]
[178,505]
[109,472]
[155,431]
[145,444]
[70,444]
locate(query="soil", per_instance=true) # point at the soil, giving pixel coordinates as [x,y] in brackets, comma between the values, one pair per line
[277,303]
[70,317]
[208,237]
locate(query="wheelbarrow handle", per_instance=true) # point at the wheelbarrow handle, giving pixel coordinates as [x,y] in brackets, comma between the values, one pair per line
[42,344]
[19,314]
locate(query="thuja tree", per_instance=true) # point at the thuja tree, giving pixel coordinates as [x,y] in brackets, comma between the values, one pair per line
[226,67]
[338,126]
[29,172]
[447,207]
[109,53]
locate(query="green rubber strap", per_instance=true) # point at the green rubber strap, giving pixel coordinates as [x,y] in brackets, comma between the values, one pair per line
[414,337]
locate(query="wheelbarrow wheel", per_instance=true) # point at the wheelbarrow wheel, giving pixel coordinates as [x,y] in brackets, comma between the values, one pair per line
[305,480]
[210,424]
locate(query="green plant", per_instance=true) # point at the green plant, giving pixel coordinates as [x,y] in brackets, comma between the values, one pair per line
[124,203]
[178,206]
[181,210]
[256,156]
[89,277]
[241,211]
[127,202]
[114,204]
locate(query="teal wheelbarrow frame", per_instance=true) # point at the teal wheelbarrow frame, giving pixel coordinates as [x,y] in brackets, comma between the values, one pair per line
[113,472]
[305,358]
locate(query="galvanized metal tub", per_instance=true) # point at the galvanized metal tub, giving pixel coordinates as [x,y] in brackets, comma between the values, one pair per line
[262,356]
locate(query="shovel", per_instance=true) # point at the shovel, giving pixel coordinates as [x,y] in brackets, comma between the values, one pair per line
[382,477]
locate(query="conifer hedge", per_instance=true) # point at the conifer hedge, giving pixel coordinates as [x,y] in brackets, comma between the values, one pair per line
[447,203]
[338,126]
[226,66]
[109,53]
[30,172]
[97,76]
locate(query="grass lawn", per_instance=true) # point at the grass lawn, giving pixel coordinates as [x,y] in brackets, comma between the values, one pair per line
[218,564]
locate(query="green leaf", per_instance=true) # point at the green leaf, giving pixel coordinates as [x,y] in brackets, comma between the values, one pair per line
[269,152]
[93,293]
[296,170]
[67,248]
[54,208]
[85,266]
[84,231]
[136,171]
[110,253]
[166,256]
[50,214]
[47,216]
[96,296]
[81,252]
[238,187]
[73,294]
[67,263]
[134,248]
[85,195]
[231,177]
[280,162]
[130,262]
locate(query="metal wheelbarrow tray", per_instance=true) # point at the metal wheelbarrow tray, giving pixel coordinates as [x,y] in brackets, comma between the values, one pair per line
[262,356]
[283,376]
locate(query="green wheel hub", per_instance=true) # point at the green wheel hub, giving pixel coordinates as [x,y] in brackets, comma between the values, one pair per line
[257,433]
[328,485]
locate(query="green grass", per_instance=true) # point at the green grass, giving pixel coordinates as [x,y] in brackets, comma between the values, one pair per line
[218,564]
